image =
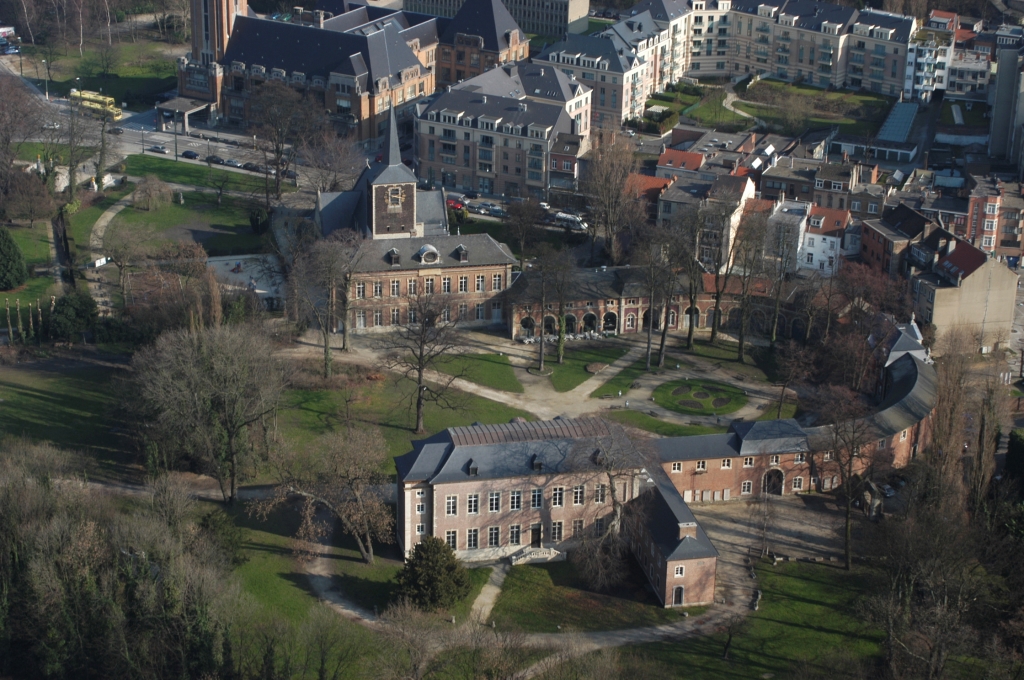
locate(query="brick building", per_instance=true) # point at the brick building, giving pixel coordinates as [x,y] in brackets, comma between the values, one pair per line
[480,36]
[885,241]
[994,213]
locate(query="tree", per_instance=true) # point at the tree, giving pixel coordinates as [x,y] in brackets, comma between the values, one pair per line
[279,115]
[559,272]
[13,271]
[338,471]
[658,279]
[321,280]
[782,239]
[718,249]
[28,198]
[415,349]
[793,363]
[207,394]
[332,162]
[74,314]
[152,193]
[606,185]
[749,258]
[685,238]
[433,578]
[123,244]
[109,56]
[1015,454]
[523,217]
[79,135]
[19,121]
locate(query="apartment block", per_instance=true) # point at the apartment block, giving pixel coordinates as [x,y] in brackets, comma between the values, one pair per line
[994,216]
[542,17]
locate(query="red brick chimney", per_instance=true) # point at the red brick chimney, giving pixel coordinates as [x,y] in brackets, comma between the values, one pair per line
[687,529]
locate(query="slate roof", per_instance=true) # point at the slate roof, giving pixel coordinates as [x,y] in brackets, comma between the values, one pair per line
[483,250]
[317,52]
[962,262]
[510,111]
[906,220]
[487,19]
[760,437]
[813,14]
[902,25]
[618,54]
[662,11]
[524,79]
[667,512]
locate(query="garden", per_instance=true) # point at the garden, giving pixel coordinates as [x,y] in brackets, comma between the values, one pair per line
[489,370]
[699,397]
[793,107]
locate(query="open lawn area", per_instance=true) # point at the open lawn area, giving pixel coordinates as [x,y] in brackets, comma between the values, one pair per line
[180,172]
[80,224]
[856,112]
[140,70]
[712,113]
[573,371]
[489,370]
[68,403]
[975,117]
[221,229]
[653,425]
[384,404]
[36,249]
[847,125]
[771,411]
[31,151]
[538,598]
[622,380]
[499,232]
[808,614]
[725,352]
[699,397]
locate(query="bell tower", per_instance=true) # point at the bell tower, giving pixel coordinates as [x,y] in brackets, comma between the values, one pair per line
[212,21]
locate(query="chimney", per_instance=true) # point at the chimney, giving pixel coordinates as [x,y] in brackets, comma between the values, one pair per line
[542,70]
[846,158]
[663,148]
[297,14]
[485,98]
[951,246]
[687,529]
[318,18]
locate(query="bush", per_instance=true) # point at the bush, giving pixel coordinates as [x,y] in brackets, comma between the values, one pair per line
[433,578]
[13,271]
[259,220]
[73,314]
[71,208]
[225,534]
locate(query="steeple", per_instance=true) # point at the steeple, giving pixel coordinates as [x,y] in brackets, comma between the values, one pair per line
[392,153]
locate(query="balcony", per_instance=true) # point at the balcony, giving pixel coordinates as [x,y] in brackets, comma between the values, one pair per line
[763,29]
[1009,243]
[784,38]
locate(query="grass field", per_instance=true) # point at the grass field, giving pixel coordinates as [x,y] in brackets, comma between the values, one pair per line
[847,125]
[179,172]
[31,151]
[867,110]
[699,397]
[712,113]
[771,412]
[80,224]
[538,598]
[36,249]
[808,615]
[489,370]
[653,425]
[222,229]
[573,372]
[725,352]
[67,403]
[974,117]
[384,404]
[624,378]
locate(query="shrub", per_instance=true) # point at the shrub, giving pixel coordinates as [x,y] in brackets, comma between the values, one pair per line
[13,271]
[71,208]
[433,578]
[225,534]
[259,220]
[73,314]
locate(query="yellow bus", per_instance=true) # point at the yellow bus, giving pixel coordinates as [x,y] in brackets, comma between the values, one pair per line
[95,97]
[100,111]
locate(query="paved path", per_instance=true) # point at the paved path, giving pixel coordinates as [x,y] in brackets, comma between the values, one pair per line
[727,103]
[484,602]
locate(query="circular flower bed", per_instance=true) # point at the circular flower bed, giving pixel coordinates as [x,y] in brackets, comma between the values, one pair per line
[703,397]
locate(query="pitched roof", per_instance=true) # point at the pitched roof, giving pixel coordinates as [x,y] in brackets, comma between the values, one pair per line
[832,220]
[683,160]
[373,255]
[962,262]
[487,19]
[648,187]
[618,55]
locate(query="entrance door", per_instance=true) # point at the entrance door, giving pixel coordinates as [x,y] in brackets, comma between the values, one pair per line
[495,312]
[677,596]
[773,481]
[535,536]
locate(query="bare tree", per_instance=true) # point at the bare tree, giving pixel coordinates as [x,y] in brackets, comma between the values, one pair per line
[27,198]
[750,264]
[684,252]
[414,639]
[332,162]
[152,193]
[329,651]
[415,348]
[278,116]
[19,120]
[763,512]
[523,217]
[321,280]
[606,186]
[338,471]
[79,135]
[208,394]
[781,242]
[793,363]
[650,256]
[124,244]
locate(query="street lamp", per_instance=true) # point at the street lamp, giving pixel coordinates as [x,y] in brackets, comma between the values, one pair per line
[47,77]
[21,68]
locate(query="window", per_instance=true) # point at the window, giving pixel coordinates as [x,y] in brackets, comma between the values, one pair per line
[727,463]
[798,483]
[577,528]
[881,444]
[599,492]
[420,494]
[557,497]
[556,531]
[493,537]
[421,508]
[872,208]
[855,206]
[421,528]
[480,311]
[463,311]
[991,208]
[494,501]
[577,495]
[473,503]
[798,458]
[774,460]
[378,289]
[748,462]
[680,572]
[746,487]
[446,284]
[360,291]
[819,184]
[361,318]
[452,539]
[827,456]
[987,241]
[514,534]
[515,500]
[378,317]
[451,508]
[472,539]
[677,467]
[810,241]
[810,258]
[396,288]
[630,321]
[412,286]
[903,436]
[463,284]
[599,526]
[702,465]
[480,283]
[990,225]
[496,282]
[536,499]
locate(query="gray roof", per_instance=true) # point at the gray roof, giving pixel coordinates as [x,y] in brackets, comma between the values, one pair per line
[637,27]
[667,512]
[901,25]
[743,439]
[523,79]
[618,54]
[662,11]
[509,111]
[432,213]
[487,19]
[587,285]
[482,249]
[812,14]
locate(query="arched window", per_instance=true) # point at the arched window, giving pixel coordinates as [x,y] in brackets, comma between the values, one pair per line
[630,321]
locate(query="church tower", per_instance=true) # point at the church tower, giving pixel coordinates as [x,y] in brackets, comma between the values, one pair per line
[212,21]
[391,191]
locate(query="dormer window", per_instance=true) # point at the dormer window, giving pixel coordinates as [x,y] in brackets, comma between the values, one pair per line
[463,253]
[395,257]
[428,254]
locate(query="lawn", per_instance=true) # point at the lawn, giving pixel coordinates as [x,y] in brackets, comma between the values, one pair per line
[36,249]
[179,172]
[724,351]
[712,113]
[771,411]
[538,598]
[573,371]
[31,151]
[80,224]
[499,232]
[69,404]
[384,404]
[221,229]
[866,111]
[808,615]
[975,117]
[653,425]
[489,370]
[849,126]
[595,25]
[699,397]
[623,380]
[141,71]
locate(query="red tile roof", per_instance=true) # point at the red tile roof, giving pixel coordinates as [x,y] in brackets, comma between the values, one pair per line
[940,14]
[832,220]
[686,160]
[963,261]
[649,187]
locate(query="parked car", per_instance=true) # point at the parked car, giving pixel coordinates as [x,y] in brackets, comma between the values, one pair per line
[12,49]
[159,148]
[497,211]
[115,131]
[544,206]
[630,132]
[215,160]
[472,195]
[191,155]
[231,162]
[888,491]
[51,125]
[251,167]
[454,204]
[291,174]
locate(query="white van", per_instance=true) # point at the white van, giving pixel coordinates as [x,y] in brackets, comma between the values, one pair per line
[570,221]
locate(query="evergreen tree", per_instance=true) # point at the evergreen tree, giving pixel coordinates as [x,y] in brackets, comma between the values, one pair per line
[72,315]
[433,578]
[12,262]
